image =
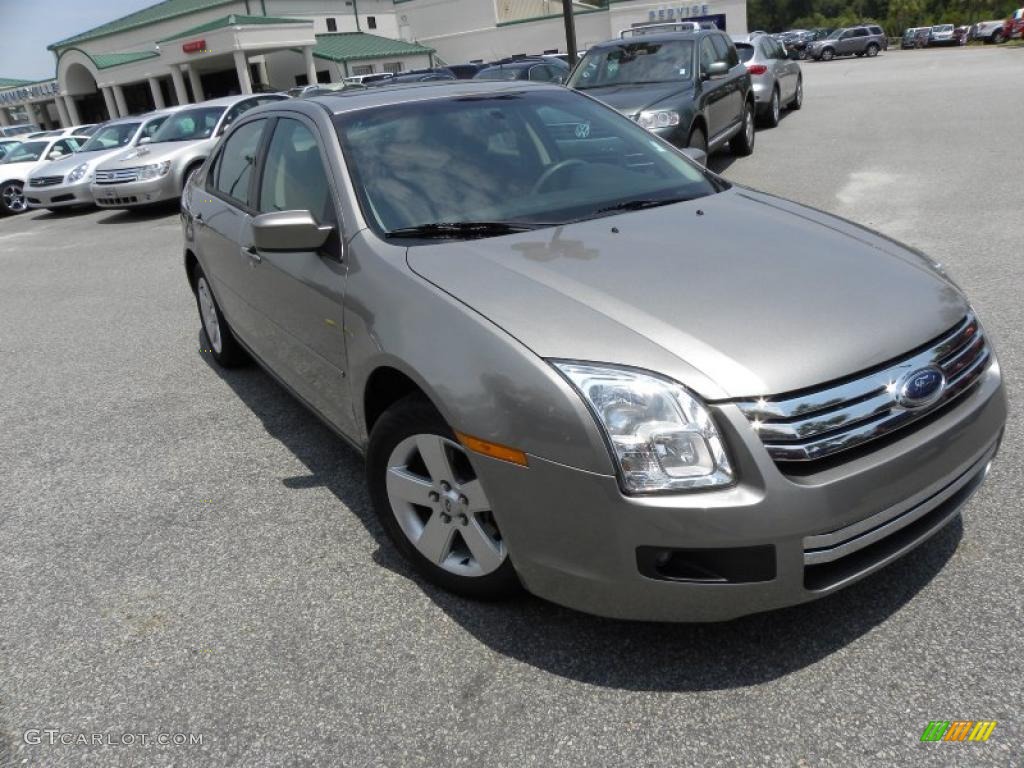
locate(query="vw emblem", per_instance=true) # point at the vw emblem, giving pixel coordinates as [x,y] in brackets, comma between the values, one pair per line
[582,130]
[921,387]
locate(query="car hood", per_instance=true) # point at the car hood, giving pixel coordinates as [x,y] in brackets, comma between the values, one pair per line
[148,154]
[630,100]
[67,164]
[20,171]
[735,295]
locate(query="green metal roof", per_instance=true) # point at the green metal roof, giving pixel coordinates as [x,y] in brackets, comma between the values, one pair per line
[168,9]
[107,60]
[234,19]
[7,82]
[352,46]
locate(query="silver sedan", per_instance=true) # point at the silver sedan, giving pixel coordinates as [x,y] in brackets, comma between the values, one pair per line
[777,80]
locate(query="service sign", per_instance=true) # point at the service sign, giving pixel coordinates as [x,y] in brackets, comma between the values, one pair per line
[676,12]
[194,46]
[29,92]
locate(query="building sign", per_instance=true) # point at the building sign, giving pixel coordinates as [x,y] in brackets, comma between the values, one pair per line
[677,12]
[29,92]
[194,46]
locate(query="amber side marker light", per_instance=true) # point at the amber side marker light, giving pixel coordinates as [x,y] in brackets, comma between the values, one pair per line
[494,450]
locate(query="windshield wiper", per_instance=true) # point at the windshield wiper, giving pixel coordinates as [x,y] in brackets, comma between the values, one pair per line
[460,229]
[636,205]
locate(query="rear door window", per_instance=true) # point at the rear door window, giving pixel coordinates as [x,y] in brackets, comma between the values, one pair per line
[294,174]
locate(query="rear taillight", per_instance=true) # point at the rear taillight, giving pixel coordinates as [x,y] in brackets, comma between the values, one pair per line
[756,69]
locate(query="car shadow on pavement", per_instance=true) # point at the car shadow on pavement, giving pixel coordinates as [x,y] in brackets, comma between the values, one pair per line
[147,213]
[635,656]
[59,213]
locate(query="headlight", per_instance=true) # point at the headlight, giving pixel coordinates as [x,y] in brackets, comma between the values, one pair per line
[658,118]
[154,171]
[662,437]
[77,173]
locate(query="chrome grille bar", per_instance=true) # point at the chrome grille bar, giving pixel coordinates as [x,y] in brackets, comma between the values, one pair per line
[119,176]
[45,181]
[814,425]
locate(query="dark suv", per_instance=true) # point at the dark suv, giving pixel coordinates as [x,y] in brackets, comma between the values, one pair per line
[687,87]
[866,40]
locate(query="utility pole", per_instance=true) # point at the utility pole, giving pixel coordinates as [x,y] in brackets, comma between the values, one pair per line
[570,32]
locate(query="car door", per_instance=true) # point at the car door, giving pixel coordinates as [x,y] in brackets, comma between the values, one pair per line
[300,294]
[786,70]
[712,90]
[222,216]
[733,94]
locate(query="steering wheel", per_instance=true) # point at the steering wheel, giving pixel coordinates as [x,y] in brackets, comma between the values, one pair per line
[552,171]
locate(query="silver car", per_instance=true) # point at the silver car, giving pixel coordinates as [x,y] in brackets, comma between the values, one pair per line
[777,80]
[65,183]
[578,362]
[155,170]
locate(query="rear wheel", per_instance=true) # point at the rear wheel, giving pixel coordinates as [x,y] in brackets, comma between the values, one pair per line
[12,198]
[432,504]
[225,350]
[774,111]
[742,143]
[872,50]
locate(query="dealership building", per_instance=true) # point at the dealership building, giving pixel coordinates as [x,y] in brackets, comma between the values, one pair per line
[185,51]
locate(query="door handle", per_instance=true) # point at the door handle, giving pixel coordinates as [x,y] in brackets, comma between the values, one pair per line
[199,220]
[252,253]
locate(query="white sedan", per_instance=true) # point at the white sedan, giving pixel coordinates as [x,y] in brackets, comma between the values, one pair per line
[22,159]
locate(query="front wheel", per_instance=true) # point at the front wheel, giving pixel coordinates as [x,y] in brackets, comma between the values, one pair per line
[872,50]
[433,506]
[828,54]
[997,37]
[698,140]
[222,344]
[12,198]
[742,143]
[798,97]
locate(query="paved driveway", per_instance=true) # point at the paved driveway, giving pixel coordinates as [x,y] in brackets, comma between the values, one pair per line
[184,551]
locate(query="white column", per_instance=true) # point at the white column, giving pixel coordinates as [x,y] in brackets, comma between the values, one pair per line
[72,109]
[33,116]
[242,68]
[4,119]
[108,98]
[179,86]
[158,94]
[264,76]
[122,106]
[307,54]
[197,85]
[62,113]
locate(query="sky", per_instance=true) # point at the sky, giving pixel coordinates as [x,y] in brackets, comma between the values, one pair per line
[28,26]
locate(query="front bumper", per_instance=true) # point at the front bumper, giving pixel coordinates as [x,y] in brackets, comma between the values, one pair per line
[59,195]
[575,539]
[135,193]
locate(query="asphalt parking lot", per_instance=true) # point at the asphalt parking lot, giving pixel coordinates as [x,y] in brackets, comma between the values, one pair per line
[189,551]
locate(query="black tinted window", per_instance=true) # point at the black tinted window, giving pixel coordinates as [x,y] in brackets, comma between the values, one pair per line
[294,177]
[235,163]
[724,50]
[746,51]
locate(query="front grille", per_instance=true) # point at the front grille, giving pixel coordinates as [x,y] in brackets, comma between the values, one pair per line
[117,177]
[815,425]
[115,201]
[45,181]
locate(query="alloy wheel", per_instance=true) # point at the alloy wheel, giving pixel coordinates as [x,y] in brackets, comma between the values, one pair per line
[441,507]
[776,107]
[13,197]
[748,126]
[209,312]
[798,100]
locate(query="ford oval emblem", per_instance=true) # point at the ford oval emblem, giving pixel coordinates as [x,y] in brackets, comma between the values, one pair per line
[921,387]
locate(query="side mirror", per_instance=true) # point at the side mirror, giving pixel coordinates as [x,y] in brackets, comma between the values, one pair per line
[699,156]
[145,140]
[717,69]
[288,231]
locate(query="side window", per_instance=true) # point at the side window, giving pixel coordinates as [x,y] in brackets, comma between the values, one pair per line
[60,149]
[721,49]
[541,72]
[152,126]
[707,54]
[730,56]
[236,111]
[294,175]
[860,32]
[233,170]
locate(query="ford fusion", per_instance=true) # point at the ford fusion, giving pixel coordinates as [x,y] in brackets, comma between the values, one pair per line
[579,363]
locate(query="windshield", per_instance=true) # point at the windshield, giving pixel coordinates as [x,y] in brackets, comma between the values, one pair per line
[497,73]
[189,125]
[26,152]
[943,28]
[533,159]
[634,63]
[110,137]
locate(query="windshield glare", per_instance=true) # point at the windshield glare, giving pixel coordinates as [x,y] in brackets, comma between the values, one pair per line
[110,137]
[189,125]
[26,152]
[534,159]
[636,62]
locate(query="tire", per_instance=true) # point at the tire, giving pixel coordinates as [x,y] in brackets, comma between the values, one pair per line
[433,506]
[12,198]
[798,96]
[772,115]
[828,54]
[222,344]
[188,174]
[742,144]
[698,139]
[872,50]
[802,56]
[997,37]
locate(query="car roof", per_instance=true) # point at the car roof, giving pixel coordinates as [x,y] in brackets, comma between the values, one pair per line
[655,37]
[387,95]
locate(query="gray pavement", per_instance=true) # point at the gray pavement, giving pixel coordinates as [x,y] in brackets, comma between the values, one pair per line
[188,551]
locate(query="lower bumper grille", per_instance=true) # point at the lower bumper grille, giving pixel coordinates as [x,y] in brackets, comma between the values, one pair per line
[811,426]
[115,201]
